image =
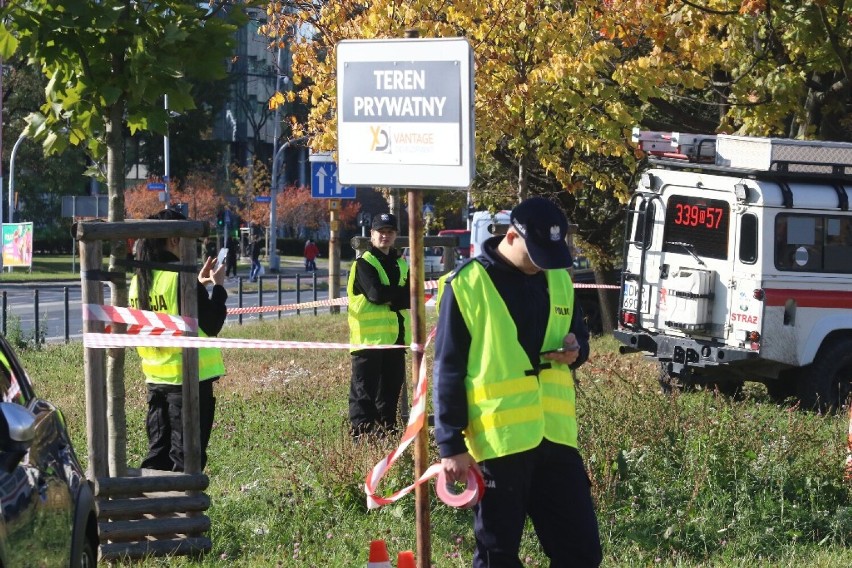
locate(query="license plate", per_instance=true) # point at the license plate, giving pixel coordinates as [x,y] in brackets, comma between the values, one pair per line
[631,296]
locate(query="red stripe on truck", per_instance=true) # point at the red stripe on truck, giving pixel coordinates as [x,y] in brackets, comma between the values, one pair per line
[809,298]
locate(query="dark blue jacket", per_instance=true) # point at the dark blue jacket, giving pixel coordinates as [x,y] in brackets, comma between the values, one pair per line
[527,299]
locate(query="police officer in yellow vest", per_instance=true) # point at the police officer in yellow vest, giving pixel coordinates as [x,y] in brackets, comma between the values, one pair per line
[157,290]
[504,397]
[379,302]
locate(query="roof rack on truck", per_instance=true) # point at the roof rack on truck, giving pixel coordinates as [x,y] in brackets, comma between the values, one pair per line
[747,154]
[699,148]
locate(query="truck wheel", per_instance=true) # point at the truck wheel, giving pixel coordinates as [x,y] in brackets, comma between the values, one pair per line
[732,388]
[783,387]
[670,382]
[825,384]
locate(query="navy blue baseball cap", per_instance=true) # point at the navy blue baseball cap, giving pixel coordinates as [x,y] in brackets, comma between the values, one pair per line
[384,221]
[544,227]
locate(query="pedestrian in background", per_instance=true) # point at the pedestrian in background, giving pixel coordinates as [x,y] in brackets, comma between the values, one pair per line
[254,253]
[311,253]
[504,399]
[158,290]
[209,248]
[379,304]
[231,258]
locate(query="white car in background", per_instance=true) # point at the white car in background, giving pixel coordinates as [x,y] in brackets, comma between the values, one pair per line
[433,259]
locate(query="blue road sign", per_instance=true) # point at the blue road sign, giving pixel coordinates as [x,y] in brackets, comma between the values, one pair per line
[324,182]
[263,198]
[157,186]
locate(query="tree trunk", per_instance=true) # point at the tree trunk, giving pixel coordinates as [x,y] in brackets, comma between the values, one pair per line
[523,180]
[606,302]
[116,417]
[811,108]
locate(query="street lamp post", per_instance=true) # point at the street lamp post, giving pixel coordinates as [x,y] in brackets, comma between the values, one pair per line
[274,263]
[272,248]
[166,155]
[12,173]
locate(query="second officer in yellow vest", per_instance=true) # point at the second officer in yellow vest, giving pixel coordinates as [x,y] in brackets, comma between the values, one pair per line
[504,397]
[157,290]
[379,304]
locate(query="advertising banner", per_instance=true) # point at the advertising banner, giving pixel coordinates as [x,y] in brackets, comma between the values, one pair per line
[17,243]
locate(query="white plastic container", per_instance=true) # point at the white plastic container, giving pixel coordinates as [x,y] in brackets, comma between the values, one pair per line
[688,299]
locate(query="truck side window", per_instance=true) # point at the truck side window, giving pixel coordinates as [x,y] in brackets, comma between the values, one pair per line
[837,252]
[799,243]
[748,238]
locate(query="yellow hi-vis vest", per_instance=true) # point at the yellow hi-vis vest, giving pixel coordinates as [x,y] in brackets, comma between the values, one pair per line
[510,408]
[375,324]
[164,365]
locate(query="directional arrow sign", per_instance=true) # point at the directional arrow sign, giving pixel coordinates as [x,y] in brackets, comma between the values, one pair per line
[324,184]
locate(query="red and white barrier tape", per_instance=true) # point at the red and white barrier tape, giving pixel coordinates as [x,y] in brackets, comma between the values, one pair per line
[289,307]
[475,487]
[109,340]
[140,321]
[603,286]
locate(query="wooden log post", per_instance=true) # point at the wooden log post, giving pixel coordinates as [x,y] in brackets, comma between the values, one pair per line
[191,419]
[94,363]
[418,338]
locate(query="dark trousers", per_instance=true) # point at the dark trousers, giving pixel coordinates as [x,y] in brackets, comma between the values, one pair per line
[377,377]
[164,424]
[550,484]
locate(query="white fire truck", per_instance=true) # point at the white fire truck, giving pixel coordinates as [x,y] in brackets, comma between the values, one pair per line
[738,264]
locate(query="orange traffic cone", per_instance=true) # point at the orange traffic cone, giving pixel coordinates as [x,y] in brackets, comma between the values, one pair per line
[405,559]
[378,555]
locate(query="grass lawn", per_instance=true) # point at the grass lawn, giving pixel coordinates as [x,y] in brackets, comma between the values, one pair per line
[688,480]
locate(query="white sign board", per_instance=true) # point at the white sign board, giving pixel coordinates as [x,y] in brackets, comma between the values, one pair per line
[405,113]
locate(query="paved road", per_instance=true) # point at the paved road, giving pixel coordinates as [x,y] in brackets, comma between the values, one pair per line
[21,306]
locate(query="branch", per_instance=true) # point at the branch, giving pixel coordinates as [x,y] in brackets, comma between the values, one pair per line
[835,45]
[687,119]
[711,10]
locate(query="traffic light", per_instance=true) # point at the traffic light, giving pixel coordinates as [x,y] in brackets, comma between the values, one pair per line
[220,220]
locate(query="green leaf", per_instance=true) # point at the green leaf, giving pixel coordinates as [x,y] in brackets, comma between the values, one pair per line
[8,43]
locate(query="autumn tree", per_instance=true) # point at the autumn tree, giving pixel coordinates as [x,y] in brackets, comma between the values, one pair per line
[298,211]
[248,183]
[140,202]
[550,119]
[197,191]
[759,67]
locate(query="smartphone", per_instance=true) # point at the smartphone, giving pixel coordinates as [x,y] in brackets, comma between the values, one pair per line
[562,349]
[220,258]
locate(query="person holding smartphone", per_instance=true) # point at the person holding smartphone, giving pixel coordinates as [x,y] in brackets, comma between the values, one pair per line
[509,336]
[157,289]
